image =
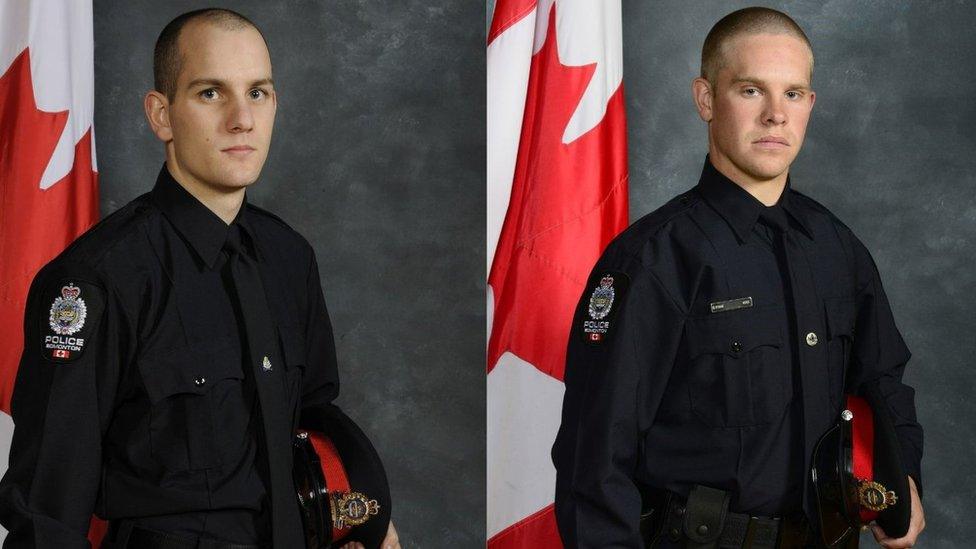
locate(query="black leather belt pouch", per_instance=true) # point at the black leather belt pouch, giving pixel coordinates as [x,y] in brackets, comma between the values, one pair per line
[704,517]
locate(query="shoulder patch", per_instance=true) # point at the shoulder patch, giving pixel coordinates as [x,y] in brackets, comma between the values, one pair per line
[607,292]
[74,308]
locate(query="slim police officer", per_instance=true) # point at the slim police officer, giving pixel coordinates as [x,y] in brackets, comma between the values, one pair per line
[173,349]
[716,336]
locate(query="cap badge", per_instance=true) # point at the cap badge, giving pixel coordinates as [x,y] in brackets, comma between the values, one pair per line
[874,496]
[352,509]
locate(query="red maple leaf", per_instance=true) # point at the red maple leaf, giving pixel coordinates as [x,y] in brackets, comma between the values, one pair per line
[35,224]
[567,202]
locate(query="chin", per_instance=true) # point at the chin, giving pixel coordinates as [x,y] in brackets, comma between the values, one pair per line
[239,176]
[766,168]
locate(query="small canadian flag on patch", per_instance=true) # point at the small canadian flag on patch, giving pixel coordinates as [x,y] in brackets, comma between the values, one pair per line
[61,353]
[596,337]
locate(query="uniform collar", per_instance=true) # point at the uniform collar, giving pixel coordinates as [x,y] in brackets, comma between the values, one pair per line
[739,208]
[204,230]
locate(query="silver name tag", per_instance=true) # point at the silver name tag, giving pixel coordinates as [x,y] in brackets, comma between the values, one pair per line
[730,305]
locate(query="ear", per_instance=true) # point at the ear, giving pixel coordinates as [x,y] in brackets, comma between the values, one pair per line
[701,91]
[157,113]
[813,98]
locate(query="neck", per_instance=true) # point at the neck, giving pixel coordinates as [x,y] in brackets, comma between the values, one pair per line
[766,191]
[224,203]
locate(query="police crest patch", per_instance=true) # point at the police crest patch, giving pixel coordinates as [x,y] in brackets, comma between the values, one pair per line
[69,320]
[602,299]
[68,312]
[600,309]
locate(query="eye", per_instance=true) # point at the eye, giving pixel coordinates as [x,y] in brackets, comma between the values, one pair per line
[750,92]
[209,94]
[258,93]
[794,94]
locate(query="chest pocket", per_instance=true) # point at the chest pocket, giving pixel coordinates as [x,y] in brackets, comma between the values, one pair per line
[293,344]
[738,368]
[198,414]
[840,342]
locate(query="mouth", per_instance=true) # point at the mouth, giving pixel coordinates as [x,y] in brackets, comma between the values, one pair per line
[239,150]
[771,142]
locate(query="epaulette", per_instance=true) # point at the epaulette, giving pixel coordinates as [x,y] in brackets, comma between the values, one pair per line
[650,224]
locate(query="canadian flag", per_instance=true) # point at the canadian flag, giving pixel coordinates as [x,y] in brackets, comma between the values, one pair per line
[557,195]
[48,178]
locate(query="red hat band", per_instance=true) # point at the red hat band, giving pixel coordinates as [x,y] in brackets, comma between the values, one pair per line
[872,496]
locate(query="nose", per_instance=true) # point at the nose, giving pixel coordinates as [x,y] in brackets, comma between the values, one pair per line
[239,116]
[774,114]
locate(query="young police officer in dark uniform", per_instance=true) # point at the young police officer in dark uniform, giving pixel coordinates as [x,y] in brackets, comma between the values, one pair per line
[170,350]
[717,335]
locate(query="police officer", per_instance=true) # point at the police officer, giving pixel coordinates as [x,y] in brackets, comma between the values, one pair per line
[171,351]
[717,335]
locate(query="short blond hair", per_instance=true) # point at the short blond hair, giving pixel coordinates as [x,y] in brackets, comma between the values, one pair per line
[747,21]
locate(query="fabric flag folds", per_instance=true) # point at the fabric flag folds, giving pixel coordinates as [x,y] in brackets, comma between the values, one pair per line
[557,195]
[48,174]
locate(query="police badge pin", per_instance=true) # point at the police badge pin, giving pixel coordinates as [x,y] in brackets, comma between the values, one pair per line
[68,312]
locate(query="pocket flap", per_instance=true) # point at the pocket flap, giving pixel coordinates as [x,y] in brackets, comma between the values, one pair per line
[840,316]
[733,332]
[293,345]
[190,369]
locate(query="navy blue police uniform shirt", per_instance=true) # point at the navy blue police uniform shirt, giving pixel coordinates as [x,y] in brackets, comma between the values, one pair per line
[707,349]
[130,401]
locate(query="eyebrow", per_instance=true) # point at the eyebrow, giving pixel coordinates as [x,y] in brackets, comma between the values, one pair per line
[761,82]
[222,84]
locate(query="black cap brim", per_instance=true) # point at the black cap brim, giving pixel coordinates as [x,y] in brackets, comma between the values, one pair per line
[363,468]
[888,468]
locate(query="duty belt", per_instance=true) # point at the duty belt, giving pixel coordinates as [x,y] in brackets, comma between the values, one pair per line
[704,522]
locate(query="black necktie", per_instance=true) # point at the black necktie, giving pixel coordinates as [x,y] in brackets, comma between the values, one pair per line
[775,217]
[264,370]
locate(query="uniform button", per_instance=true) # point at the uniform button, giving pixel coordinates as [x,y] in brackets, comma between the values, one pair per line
[812,339]
[703,529]
[680,511]
[200,381]
[674,531]
[736,346]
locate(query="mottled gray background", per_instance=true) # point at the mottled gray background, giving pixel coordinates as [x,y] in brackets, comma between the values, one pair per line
[378,159]
[891,150]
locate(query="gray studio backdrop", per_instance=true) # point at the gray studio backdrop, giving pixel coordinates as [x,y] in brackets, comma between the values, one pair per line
[378,160]
[890,149]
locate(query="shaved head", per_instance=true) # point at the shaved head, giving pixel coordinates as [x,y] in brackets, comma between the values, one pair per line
[745,22]
[167,56]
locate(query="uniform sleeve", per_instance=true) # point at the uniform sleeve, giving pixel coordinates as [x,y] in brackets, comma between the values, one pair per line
[880,356]
[321,383]
[615,381]
[75,339]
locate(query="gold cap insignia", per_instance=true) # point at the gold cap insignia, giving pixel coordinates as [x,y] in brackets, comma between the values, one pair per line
[352,509]
[874,496]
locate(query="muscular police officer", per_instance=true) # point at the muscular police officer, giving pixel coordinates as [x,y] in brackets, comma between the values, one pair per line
[717,335]
[135,397]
